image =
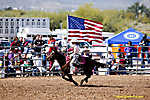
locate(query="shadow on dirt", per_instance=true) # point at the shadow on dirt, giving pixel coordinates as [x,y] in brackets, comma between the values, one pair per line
[147,87]
[102,86]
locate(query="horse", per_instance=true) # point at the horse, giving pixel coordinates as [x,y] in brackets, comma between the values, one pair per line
[88,66]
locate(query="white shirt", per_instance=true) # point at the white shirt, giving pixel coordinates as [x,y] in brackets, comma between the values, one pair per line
[110,57]
[64,42]
[76,50]
[37,61]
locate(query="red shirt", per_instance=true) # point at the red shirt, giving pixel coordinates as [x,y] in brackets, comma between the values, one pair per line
[50,41]
[52,48]
[14,44]
[122,61]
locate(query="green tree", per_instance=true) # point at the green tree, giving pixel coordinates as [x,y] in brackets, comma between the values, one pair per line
[8,9]
[135,8]
[138,10]
[89,12]
[147,12]
[143,9]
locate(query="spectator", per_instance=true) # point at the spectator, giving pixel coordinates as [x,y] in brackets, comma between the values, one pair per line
[129,49]
[25,43]
[86,52]
[44,61]
[7,69]
[50,50]
[119,53]
[64,41]
[30,51]
[113,67]
[144,48]
[110,58]
[23,59]
[9,61]
[17,57]
[20,40]
[122,64]
[41,41]
[53,47]
[51,39]
[28,68]
[38,63]
[56,43]
[11,55]
[37,44]
[34,38]
[15,45]
[21,43]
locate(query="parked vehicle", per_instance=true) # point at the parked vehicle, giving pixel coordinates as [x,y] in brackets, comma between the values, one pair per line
[95,50]
[4,47]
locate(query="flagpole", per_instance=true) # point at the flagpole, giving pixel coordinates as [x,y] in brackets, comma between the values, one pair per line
[67,34]
[67,27]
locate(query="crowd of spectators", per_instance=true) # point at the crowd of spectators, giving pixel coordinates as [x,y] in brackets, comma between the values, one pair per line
[125,59]
[28,56]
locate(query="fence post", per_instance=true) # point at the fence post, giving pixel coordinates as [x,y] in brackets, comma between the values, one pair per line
[137,60]
[41,61]
[3,65]
[107,60]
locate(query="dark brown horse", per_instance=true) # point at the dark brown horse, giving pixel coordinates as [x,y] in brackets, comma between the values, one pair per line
[88,66]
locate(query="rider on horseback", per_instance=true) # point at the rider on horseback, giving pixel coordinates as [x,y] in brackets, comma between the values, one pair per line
[75,54]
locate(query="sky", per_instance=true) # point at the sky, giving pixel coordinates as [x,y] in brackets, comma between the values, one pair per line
[55,5]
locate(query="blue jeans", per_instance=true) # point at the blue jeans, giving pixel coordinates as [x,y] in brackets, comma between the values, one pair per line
[130,61]
[122,68]
[146,54]
[72,68]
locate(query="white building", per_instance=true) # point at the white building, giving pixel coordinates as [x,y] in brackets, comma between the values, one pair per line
[9,26]
[29,33]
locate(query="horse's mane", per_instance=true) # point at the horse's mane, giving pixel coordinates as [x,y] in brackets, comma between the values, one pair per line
[60,58]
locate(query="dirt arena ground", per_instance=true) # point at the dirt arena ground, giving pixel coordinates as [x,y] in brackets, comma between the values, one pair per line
[55,88]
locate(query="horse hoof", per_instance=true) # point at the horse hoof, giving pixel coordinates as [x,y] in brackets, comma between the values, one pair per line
[76,84]
[81,82]
[86,81]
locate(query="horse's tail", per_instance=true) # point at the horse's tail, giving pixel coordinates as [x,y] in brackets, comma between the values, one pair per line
[98,64]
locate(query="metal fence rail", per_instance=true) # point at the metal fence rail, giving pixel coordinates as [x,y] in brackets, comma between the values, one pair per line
[136,69]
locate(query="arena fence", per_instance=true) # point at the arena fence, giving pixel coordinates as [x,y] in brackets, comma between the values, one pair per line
[22,71]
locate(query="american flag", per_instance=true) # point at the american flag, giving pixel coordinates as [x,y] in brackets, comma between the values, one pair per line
[84,29]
